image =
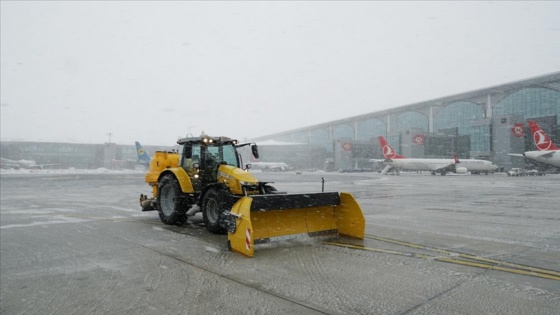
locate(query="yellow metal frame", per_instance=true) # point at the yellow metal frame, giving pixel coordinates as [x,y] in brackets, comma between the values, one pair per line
[345,219]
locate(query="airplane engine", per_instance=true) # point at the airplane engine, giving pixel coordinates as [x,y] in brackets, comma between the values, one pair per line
[460,170]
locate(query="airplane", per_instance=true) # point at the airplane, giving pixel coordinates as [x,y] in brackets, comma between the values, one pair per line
[443,166]
[143,160]
[270,166]
[22,164]
[548,153]
[143,157]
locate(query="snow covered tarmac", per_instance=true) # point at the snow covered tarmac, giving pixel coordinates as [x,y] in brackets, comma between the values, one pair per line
[78,243]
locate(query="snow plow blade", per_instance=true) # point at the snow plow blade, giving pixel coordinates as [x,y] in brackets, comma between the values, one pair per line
[266,218]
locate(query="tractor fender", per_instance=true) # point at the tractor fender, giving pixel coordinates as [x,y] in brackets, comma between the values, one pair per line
[182,177]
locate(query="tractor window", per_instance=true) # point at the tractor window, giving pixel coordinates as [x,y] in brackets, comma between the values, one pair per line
[230,155]
[196,153]
[191,156]
[227,154]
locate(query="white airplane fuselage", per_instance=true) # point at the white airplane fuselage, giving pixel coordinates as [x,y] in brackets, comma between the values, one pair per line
[24,164]
[551,157]
[273,166]
[473,165]
[412,164]
[418,164]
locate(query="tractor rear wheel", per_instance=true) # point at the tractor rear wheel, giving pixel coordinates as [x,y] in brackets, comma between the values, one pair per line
[170,206]
[212,208]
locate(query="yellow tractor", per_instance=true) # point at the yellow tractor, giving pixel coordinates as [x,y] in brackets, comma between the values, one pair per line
[208,175]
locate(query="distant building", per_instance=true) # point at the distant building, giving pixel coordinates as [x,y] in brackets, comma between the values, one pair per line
[61,155]
[477,124]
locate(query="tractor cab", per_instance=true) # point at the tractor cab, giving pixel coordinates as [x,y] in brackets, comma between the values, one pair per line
[202,157]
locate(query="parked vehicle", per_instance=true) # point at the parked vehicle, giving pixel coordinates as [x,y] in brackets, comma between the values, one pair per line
[522,172]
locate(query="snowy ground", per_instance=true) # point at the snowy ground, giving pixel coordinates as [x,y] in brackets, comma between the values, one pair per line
[77,242]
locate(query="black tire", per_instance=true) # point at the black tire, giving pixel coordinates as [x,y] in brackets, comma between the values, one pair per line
[212,208]
[170,207]
[270,189]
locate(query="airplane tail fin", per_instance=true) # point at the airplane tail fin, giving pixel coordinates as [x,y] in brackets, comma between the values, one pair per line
[143,157]
[540,138]
[388,151]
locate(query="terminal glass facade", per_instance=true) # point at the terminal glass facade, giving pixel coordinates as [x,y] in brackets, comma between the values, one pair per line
[301,137]
[343,132]
[409,121]
[481,140]
[460,115]
[530,103]
[284,138]
[321,137]
[371,129]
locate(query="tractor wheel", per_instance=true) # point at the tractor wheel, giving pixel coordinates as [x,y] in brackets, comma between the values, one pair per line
[170,207]
[212,207]
[270,189]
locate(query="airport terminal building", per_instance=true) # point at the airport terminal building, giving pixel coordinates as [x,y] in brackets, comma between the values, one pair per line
[488,124]
[60,155]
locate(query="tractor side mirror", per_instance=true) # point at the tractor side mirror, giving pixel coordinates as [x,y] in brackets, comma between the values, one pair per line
[255,151]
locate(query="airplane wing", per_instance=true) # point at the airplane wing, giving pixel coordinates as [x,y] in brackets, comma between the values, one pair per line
[515,154]
[448,168]
[453,167]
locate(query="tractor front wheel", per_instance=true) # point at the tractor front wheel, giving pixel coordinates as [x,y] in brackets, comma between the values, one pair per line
[212,208]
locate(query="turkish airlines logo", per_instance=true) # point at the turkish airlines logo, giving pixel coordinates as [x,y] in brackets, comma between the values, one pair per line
[388,152]
[518,130]
[541,140]
[419,139]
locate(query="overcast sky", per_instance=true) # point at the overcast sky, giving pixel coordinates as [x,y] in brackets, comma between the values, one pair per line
[155,71]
